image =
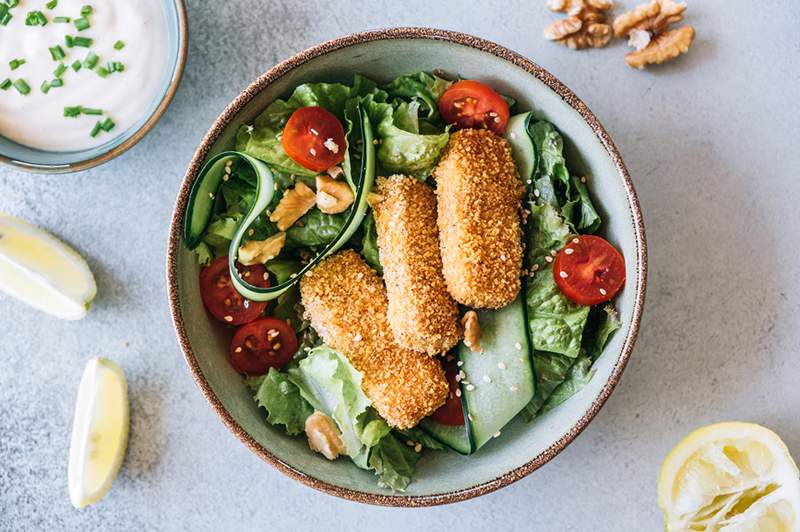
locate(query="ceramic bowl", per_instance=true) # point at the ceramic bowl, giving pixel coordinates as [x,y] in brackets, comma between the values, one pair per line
[441,477]
[42,161]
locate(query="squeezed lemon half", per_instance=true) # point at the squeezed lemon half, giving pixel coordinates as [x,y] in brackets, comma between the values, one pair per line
[730,477]
[99,432]
[42,271]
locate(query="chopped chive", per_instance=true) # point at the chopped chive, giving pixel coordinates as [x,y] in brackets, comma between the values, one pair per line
[119,45]
[84,42]
[82,23]
[51,4]
[57,53]
[107,125]
[72,112]
[96,129]
[102,72]
[76,65]
[86,10]
[45,87]
[35,18]
[22,87]
[90,111]
[91,60]
[116,66]
[62,19]
[6,84]
[69,40]
[12,3]
[5,18]
[16,63]
[58,82]
[60,69]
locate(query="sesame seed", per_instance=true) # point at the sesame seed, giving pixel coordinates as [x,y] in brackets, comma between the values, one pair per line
[251,232]
[513,387]
[226,177]
[501,365]
[603,291]
[487,379]
[458,378]
[548,258]
[458,393]
[536,192]
[314,131]
[462,374]
[553,252]
[583,179]
[471,417]
[460,363]
[569,251]
[357,337]
[535,267]
[529,181]
[512,135]
[502,257]
[492,114]
[237,350]
[562,274]
[228,318]
[518,346]
[418,448]
[291,275]
[470,387]
[576,241]
[266,276]
[410,443]
[312,151]
[497,120]
[211,195]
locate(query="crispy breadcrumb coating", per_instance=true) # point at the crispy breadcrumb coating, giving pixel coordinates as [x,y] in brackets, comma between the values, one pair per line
[422,314]
[479,199]
[346,302]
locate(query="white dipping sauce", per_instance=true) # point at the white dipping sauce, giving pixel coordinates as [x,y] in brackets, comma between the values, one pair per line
[37,119]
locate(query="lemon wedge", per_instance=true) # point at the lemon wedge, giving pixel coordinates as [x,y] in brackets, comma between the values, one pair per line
[99,432]
[730,477]
[39,269]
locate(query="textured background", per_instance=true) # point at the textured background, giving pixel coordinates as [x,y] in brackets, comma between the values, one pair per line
[711,141]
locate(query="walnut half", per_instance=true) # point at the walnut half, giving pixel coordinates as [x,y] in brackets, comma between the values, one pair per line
[647,30]
[472,331]
[261,251]
[585,26]
[333,196]
[663,48]
[294,203]
[323,435]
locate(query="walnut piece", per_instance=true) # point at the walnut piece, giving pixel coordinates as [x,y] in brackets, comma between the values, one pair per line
[586,25]
[647,29]
[295,203]
[333,196]
[261,251]
[374,199]
[472,331]
[324,436]
[663,48]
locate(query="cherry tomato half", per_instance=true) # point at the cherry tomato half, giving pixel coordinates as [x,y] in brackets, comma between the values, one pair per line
[451,412]
[221,298]
[473,105]
[262,344]
[314,138]
[589,270]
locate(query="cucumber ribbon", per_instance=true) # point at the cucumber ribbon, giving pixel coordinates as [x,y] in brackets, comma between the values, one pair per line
[201,206]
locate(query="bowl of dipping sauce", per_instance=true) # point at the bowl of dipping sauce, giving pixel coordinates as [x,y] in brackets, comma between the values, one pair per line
[81,81]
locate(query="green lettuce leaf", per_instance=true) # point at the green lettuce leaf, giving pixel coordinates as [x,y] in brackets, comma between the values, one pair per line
[394,462]
[601,324]
[331,385]
[315,228]
[283,402]
[551,371]
[422,86]
[369,244]
[418,435]
[556,323]
[547,232]
[586,218]
[580,373]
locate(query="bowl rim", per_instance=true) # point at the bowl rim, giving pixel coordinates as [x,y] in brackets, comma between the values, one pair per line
[278,71]
[139,134]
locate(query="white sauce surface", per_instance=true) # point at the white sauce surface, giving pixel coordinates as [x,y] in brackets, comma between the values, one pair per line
[37,120]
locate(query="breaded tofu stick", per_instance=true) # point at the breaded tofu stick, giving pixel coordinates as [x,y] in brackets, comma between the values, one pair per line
[345,301]
[479,199]
[422,314]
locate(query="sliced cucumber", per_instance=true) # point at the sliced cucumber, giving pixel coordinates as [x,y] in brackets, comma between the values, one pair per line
[499,379]
[523,150]
[457,438]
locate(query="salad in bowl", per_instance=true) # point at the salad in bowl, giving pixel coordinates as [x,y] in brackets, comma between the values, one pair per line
[403,267]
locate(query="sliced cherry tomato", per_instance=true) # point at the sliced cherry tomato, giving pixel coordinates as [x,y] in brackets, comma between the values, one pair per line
[451,412]
[221,298]
[589,270]
[314,138]
[473,105]
[262,344]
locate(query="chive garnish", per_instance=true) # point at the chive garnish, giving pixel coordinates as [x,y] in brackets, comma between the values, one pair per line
[60,69]
[58,82]
[35,18]
[16,63]
[12,3]
[45,86]
[57,53]
[6,84]
[72,112]
[82,23]
[96,129]
[102,71]
[51,4]
[22,87]
[116,66]
[5,18]
[76,65]
[86,10]
[84,42]
[91,60]
[90,111]
[70,40]
[62,19]
[107,125]
[119,45]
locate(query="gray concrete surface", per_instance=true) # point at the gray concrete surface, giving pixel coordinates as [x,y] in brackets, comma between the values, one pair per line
[712,143]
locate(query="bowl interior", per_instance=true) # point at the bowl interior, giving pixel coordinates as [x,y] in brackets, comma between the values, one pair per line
[521,442]
[35,159]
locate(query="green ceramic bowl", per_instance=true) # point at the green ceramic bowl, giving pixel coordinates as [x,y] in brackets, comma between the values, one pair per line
[441,477]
